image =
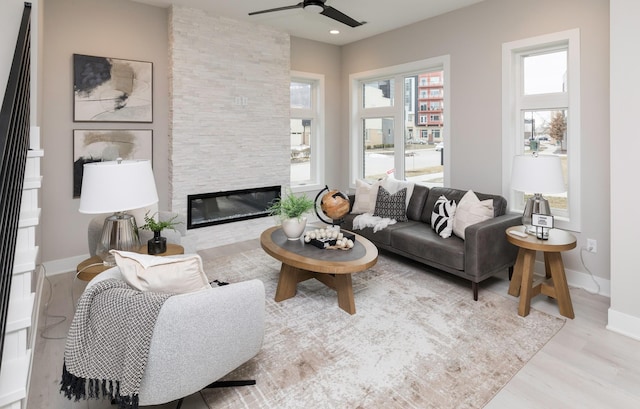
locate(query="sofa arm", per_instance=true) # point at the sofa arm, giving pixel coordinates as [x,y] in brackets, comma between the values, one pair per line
[487,250]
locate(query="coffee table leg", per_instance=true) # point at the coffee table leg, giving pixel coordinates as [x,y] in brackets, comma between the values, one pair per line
[287,283]
[345,293]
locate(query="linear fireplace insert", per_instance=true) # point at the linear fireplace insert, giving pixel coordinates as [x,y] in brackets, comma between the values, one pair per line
[209,209]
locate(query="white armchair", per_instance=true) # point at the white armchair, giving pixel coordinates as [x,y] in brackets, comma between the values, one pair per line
[199,337]
[177,236]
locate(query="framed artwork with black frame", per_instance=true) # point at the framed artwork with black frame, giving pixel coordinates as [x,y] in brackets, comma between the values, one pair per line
[112,90]
[97,145]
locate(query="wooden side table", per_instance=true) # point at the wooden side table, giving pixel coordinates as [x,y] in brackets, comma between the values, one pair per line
[555,283]
[90,268]
[172,250]
[93,266]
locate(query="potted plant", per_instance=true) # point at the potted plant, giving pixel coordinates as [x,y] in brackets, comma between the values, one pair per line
[291,210]
[157,244]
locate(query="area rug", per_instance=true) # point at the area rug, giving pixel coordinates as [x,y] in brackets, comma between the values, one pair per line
[417,340]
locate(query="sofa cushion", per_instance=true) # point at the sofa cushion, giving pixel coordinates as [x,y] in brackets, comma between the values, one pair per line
[470,210]
[366,196]
[392,206]
[420,241]
[444,211]
[382,237]
[416,204]
[172,274]
[499,203]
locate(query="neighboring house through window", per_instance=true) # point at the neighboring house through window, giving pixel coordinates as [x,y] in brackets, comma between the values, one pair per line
[388,135]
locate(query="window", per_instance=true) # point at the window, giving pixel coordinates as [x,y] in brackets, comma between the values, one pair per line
[307,128]
[541,115]
[383,134]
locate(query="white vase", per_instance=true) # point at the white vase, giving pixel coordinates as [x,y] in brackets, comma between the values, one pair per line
[293,228]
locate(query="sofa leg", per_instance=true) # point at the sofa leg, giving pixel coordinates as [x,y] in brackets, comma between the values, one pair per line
[474,287]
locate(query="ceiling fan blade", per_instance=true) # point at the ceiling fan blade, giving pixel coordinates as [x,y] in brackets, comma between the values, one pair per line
[340,16]
[297,6]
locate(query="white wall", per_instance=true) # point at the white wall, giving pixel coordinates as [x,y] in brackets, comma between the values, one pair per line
[473,37]
[624,314]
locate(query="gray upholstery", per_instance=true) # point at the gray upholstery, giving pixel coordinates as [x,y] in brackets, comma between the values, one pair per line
[177,236]
[199,337]
[484,253]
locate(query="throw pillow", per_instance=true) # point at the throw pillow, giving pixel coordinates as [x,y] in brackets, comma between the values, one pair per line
[391,206]
[173,274]
[366,195]
[394,185]
[442,216]
[470,210]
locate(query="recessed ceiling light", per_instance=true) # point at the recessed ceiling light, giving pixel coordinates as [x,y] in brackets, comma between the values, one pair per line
[334,32]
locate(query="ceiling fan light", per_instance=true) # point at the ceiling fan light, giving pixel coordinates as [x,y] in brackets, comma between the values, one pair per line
[314,7]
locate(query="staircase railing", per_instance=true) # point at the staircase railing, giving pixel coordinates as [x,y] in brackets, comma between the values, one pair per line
[14,144]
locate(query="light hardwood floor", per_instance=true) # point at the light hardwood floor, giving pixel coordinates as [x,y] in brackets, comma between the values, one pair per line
[583,366]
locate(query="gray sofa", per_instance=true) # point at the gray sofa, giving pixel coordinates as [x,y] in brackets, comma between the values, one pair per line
[484,252]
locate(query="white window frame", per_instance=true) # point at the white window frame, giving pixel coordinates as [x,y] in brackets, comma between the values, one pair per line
[317,116]
[514,103]
[357,112]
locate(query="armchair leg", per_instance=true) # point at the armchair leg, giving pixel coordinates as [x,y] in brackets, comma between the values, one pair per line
[474,287]
[223,384]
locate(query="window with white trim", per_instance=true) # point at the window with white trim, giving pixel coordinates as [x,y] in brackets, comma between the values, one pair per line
[307,130]
[385,135]
[541,115]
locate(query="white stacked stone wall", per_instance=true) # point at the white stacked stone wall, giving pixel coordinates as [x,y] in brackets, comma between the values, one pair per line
[229,113]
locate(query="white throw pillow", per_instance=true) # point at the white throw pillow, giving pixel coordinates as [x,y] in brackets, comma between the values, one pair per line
[470,211]
[394,185]
[366,195]
[172,274]
[444,211]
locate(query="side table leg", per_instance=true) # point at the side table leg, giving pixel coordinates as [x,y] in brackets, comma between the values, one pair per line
[560,284]
[516,277]
[526,292]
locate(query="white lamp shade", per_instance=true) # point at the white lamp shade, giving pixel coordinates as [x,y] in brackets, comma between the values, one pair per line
[537,174]
[117,186]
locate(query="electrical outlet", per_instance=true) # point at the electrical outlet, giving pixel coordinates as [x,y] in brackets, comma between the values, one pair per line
[592,245]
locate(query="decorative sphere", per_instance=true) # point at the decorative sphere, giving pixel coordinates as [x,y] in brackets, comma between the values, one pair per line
[335,204]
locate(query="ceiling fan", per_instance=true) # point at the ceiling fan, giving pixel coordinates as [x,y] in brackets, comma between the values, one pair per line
[317,6]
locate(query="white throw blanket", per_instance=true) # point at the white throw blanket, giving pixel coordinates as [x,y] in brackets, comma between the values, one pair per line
[369,220]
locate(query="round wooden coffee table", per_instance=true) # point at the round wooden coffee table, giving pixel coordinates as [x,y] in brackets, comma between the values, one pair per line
[333,268]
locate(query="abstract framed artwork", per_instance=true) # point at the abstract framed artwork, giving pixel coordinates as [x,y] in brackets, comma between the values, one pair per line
[112,90]
[97,145]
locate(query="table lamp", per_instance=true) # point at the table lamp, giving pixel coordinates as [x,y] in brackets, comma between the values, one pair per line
[536,174]
[115,187]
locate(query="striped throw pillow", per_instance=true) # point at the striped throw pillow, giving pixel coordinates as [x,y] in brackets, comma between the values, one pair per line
[442,216]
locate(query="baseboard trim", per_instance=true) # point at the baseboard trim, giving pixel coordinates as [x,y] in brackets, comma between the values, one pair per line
[624,324]
[64,265]
[582,280]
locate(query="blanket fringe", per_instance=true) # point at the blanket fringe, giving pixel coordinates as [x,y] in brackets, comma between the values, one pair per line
[76,388]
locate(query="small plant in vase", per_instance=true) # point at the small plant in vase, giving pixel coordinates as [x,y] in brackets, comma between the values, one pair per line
[158,244]
[291,210]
